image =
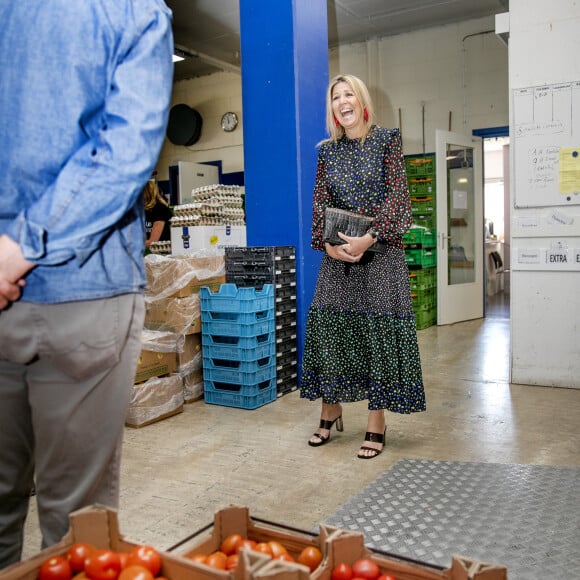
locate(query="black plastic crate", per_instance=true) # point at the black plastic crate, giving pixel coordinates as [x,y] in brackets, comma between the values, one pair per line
[284,320]
[286,333]
[288,345]
[284,359]
[285,305]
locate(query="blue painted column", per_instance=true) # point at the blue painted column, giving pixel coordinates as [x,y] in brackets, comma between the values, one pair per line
[284,79]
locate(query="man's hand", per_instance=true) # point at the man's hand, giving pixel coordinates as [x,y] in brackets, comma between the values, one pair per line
[13,267]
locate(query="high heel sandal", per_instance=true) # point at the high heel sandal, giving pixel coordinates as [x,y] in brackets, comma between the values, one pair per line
[327,425]
[373,438]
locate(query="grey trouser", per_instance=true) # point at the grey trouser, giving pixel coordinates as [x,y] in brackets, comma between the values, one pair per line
[66,374]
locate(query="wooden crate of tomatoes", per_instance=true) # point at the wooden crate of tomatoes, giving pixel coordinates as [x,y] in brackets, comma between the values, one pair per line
[272,551]
[94,549]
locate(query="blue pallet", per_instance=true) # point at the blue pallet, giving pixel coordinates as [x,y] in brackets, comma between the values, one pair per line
[234,394]
[242,366]
[233,375]
[238,348]
[230,298]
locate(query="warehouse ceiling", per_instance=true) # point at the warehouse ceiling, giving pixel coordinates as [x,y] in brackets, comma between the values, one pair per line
[209,30]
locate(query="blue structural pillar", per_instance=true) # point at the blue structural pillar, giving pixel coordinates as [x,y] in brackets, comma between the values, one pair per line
[284,45]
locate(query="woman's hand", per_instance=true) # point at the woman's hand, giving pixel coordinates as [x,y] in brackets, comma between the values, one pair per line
[352,250]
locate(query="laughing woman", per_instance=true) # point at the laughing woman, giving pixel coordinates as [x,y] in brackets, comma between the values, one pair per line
[361,337]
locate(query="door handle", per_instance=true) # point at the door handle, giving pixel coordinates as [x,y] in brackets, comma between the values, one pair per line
[444,239]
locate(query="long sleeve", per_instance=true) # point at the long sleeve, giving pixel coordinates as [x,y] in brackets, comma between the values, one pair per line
[321,198]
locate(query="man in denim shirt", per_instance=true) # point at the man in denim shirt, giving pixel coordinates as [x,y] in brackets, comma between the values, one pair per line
[84,101]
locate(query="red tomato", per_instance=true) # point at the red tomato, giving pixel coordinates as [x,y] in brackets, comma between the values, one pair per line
[366,568]
[147,556]
[231,543]
[217,560]
[103,565]
[247,544]
[342,571]
[286,557]
[232,561]
[263,548]
[77,554]
[387,577]
[135,572]
[311,556]
[55,568]
[277,548]
[199,558]
[124,556]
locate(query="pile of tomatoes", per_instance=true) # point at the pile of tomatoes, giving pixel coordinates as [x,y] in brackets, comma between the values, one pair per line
[83,561]
[226,558]
[361,569]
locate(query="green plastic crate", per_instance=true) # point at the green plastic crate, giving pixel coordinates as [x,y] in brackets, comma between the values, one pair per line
[423,258]
[422,185]
[424,299]
[417,236]
[423,279]
[422,205]
[428,220]
[425,318]
[417,166]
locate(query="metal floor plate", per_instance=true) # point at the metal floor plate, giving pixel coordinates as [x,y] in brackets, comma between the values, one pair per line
[525,517]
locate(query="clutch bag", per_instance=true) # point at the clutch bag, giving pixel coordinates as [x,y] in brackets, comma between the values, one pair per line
[346,222]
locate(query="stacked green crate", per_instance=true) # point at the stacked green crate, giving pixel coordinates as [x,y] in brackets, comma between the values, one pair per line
[421,240]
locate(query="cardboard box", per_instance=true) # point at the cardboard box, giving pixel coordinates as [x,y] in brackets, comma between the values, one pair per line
[190,239]
[173,314]
[154,400]
[181,276]
[191,358]
[193,386]
[99,526]
[155,364]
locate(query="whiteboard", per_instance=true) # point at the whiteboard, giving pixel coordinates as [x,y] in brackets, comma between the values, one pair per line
[546,127]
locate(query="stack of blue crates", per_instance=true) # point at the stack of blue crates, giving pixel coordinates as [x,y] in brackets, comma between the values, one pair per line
[238,346]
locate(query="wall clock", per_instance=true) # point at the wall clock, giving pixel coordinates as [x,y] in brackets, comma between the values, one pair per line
[229,121]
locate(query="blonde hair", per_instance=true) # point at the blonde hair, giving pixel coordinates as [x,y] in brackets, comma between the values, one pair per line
[363,96]
[153,195]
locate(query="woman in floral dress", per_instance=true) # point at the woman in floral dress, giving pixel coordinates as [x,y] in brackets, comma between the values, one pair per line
[361,338]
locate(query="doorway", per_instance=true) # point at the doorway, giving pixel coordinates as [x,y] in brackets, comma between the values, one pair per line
[496,226]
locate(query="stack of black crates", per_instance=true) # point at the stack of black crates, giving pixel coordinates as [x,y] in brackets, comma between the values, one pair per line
[254,266]
[421,239]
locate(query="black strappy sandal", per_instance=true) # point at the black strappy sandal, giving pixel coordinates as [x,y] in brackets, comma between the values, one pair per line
[325,424]
[373,438]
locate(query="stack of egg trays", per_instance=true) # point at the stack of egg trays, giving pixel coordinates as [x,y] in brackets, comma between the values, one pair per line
[254,266]
[238,346]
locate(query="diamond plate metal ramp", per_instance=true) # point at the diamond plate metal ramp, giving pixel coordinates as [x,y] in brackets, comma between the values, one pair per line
[525,517]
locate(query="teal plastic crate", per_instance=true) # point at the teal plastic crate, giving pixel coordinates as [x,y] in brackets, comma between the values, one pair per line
[230,298]
[239,395]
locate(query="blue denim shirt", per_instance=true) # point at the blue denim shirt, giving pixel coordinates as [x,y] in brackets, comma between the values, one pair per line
[84,100]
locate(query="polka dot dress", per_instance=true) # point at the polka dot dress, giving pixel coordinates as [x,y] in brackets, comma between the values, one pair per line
[361,338]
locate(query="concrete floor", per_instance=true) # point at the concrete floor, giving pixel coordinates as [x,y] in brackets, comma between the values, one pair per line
[178,472]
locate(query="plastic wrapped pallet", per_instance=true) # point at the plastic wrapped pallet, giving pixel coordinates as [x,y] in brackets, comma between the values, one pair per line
[192,386]
[155,399]
[174,314]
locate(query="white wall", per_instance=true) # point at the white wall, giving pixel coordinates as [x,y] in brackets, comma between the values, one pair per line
[448,69]
[434,67]
[545,306]
[212,96]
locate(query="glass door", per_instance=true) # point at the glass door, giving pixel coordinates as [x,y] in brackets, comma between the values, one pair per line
[460,289]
